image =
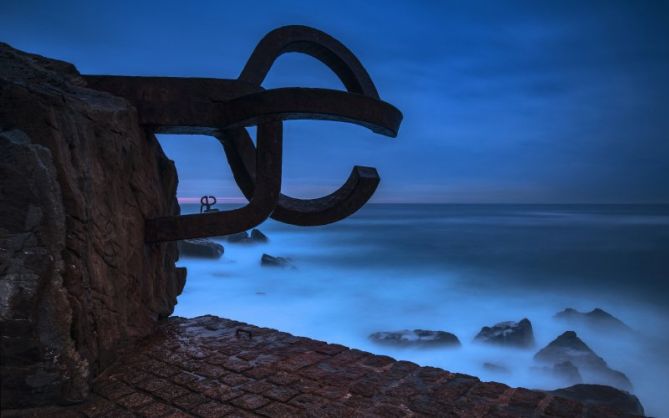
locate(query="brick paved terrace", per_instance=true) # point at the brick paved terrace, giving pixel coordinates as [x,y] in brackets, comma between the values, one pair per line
[213,367]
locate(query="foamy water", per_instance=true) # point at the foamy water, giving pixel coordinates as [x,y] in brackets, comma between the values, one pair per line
[457,269]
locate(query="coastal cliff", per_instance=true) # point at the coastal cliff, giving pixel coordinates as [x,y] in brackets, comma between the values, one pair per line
[78,178]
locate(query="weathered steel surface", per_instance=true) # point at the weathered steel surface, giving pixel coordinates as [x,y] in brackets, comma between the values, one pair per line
[312,42]
[363,181]
[350,197]
[261,204]
[224,108]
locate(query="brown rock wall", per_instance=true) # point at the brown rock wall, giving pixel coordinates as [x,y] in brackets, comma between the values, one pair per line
[78,178]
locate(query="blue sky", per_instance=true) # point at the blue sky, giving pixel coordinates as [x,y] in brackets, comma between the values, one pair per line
[503,101]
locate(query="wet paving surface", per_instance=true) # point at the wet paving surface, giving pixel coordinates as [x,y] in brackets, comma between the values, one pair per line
[214,367]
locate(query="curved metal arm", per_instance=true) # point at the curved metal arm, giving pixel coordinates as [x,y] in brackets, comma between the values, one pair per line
[362,181]
[346,200]
[261,203]
[311,42]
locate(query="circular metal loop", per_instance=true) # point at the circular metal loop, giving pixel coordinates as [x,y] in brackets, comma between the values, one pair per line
[309,41]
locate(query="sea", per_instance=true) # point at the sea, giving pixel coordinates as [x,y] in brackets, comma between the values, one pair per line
[458,268]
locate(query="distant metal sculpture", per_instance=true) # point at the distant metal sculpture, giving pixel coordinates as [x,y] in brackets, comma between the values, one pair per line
[223,108]
[206,202]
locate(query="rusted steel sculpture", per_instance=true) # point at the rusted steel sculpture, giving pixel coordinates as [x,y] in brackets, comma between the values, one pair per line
[224,108]
[206,202]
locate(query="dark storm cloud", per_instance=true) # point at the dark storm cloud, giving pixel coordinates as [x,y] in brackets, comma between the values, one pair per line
[503,101]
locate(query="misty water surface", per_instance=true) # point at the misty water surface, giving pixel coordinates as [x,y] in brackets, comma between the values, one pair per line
[457,268]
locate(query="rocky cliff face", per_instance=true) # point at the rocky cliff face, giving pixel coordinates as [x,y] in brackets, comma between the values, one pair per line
[78,178]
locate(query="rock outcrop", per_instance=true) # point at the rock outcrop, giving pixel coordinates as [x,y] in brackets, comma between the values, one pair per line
[597,319]
[416,338]
[592,368]
[509,333]
[200,247]
[78,178]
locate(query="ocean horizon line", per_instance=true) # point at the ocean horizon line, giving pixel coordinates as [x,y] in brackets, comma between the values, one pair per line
[231,201]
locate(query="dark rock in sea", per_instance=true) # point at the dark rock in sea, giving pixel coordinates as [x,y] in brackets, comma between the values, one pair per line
[258,236]
[496,368]
[567,372]
[270,261]
[510,333]
[593,369]
[78,178]
[417,338]
[600,395]
[237,238]
[199,247]
[597,319]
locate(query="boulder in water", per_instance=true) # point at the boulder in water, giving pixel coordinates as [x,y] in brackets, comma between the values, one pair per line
[510,333]
[270,261]
[601,395]
[593,369]
[239,237]
[258,236]
[200,247]
[597,319]
[416,337]
[568,372]
[496,368]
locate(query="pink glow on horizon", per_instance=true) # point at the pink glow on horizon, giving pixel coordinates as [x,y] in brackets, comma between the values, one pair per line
[219,199]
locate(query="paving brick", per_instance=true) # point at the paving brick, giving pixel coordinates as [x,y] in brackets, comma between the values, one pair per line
[163,389]
[178,414]
[283,378]
[156,409]
[236,364]
[222,393]
[212,410]
[113,390]
[134,401]
[308,402]
[279,410]
[234,380]
[96,406]
[250,401]
[280,393]
[256,387]
[189,401]
[301,360]
[259,372]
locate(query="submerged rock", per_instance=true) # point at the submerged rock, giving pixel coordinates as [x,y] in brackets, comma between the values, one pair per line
[245,238]
[238,237]
[496,368]
[567,372]
[200,248]
[602,395]
[510,333]
[258,236]
[592,368]
[270,261]
[597,319]
[417,337]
